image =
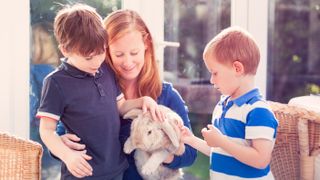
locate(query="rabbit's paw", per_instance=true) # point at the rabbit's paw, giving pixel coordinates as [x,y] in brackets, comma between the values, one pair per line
[148,170]
[128,147]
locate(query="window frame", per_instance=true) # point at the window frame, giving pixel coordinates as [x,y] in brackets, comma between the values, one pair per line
[15,45]
[14,118]
[249,14]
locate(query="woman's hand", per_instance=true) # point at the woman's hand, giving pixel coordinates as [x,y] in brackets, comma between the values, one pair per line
[148,104]
[169,159]
[71,140]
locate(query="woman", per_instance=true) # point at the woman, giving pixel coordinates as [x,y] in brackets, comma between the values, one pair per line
[131,55]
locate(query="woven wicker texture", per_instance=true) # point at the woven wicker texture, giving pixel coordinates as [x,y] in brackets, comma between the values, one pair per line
[19,159]
[298,142]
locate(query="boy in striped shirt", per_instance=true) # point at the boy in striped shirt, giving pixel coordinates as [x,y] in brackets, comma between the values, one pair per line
[241,137]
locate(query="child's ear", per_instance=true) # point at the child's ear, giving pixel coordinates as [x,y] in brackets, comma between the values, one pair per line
[63,50]
[238,66]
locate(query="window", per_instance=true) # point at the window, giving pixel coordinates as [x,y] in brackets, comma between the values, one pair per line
[293,43]
[192,24]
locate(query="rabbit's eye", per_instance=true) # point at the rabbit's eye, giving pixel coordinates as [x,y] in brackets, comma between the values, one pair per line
[149,132]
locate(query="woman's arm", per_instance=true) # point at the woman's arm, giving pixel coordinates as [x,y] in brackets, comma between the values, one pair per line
[172,99]
[70,140]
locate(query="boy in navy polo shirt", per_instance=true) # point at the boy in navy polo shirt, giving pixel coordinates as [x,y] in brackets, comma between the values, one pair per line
[83,94]
[242,135]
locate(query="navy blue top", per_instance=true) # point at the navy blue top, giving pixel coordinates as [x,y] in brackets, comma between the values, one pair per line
[87,105]
[37,73]
[170,98]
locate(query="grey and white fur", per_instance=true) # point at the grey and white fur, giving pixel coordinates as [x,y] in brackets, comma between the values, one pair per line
[153,142]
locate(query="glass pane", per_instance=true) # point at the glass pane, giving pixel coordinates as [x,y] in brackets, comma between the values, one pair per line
[293,49]
[193,23]
[45,57]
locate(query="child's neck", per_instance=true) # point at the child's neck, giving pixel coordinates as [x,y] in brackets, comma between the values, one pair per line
[247,84]
[70,62]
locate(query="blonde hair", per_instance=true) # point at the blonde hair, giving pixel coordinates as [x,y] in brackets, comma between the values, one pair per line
[44,47]
[234,44]
[79,29]
[118,24]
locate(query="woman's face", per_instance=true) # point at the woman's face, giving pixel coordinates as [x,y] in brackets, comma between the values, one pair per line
[127,54]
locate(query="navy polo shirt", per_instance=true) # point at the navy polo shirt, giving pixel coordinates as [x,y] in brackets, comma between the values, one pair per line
[87,105]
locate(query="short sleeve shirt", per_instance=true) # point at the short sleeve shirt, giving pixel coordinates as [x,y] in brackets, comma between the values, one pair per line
[242,120]
[87,105]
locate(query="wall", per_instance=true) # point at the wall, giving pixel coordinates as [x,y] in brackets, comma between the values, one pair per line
[14,48]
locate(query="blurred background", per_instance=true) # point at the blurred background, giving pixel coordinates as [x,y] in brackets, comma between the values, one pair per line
[287,32]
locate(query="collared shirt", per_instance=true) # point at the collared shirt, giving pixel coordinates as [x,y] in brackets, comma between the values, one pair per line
[241,120]
[87,105]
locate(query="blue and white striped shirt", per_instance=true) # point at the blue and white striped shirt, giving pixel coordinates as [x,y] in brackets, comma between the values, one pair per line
[241,120]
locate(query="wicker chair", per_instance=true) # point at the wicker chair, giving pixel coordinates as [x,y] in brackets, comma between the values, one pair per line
[297,144]
[19,159]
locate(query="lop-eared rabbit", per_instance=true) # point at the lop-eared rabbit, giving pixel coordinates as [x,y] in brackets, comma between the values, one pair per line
[153,142]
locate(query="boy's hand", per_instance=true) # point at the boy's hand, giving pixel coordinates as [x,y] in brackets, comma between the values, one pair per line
[212,136]
[186,135]
[71,140]
[149,104]
[77,164]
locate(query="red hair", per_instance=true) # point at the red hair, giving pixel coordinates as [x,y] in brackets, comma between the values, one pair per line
[121,22]
[234,44]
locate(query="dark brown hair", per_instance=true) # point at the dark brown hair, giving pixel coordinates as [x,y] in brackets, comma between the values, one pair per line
[79,29]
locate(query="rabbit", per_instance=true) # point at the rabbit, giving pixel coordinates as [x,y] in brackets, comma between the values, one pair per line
[153,142]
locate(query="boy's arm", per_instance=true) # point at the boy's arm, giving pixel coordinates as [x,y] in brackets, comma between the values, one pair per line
[257,155]
[195,142]
[200,145]
[76,161]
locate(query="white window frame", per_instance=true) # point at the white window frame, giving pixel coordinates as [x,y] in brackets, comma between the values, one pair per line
[249,14]
[14,46]
[152,12]
[253,16]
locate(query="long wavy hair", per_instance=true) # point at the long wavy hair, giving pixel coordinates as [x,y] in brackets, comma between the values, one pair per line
[118,24]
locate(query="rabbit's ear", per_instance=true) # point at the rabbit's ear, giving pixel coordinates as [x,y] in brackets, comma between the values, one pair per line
[132,114]
[170,131]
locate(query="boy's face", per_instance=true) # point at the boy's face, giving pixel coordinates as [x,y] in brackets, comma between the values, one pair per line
[223,76]
[88,64]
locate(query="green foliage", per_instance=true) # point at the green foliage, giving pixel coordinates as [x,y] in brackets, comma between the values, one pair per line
[313,89]
[296,59]
[292,43]
[45,10]
[200,168]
